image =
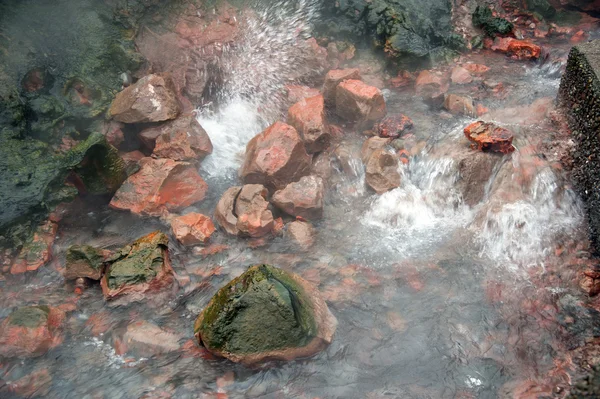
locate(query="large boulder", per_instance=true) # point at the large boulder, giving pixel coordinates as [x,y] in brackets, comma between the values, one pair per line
[150,99]
[85,261]
[307,116]
[193,228]
[358,102]
[30,331]
[139,268]
[303,198]
[382,171]
[265,314]
[160,185]
[275,157]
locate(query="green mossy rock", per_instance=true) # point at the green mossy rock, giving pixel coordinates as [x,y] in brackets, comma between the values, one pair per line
[266,313]
[84,261]
[492,26]
[29,316]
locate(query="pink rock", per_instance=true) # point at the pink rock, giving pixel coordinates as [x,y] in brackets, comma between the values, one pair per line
[307,116]
[151,99]
[254,219]
[147,339]
[225,214]
[461,76]
[301,233]
[303,198]
[193,228]
[382,171]
[357,102]
[333,79]
[429,84]
[114,134]
[183,140]
[296,93]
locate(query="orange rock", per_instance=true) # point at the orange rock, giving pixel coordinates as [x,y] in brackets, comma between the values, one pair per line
[489,137]
[333,79]
[476,69]
[460,76]
[355,101]
[393,126]
[578,37]
[481,110]
[296,93]
[428,84]
[307,116]
[193,228]
[37,252]
[184,139]
[522,49]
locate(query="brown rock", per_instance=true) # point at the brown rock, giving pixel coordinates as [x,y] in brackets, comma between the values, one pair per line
[297,93]
[476,170]
[371,145]
[36,252]
[224,212]
[333,79]
[460,76]
[357,102]
[180,140]
[322,165]
[84,261]
[161,184]
[113,131]
[308,117]
[393,126]
[151,99]
[147,339]
[193,228]
[489,137]
[459,105]
[275,157]
[476,69]
[382,171]
[430,85]
[251,206]
[303,198]
[301,233]
[132,160]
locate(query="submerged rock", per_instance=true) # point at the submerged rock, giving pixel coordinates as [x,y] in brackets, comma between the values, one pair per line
[301,233]
[193,228]
[297,93]
[307,116]
[150,99]
[147,339]
[459,105]
[356,101]
[85,261]
[30,331]
[393,126]
[382,171]
[486,136]
[138,268]
[263,315]
[371,145]
[275,157]
[303,198]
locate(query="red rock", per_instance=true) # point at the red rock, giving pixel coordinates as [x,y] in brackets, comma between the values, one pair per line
[254,219]
[393,126]
[147,339]
[308,117]
[224,212]
[520,49]
[132,160]
[403,79]
[193,228]
[578,37]
[278,226]
[31,331]
[476,69]
[303,198]
[113,132]
[371,145]
[301,233]
[275,157]
[489,137]
[333,79]
[160,185]
[460,76]
[429,84]
[151,99]
[37,252]
[357,102]
[481,110]
[297,93]
[183,140]
[34,80]
[459,105]
[382,171]
[35,384]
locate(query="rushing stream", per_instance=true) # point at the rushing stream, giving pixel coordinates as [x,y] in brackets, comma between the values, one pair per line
[435,297]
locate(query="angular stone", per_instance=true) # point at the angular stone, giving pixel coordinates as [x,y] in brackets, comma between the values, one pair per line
[429,84]
[297,93]
[147,339]
[225,211]
[265,314]
[150,99]
[193,228]
[37,251]
[460,76]
[382,171]
[303,198]
[476,69]
[476,170]
[160,185]
[85,261]
[301,233]
[358,102]
[254,219]
[308,117]
[371,145]
[183,139]
[487,136]
[275,157]
[30,331]
[139,268]
[459,105]
[393,126]
[333,79]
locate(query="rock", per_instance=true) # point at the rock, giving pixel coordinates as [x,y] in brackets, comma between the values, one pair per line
[30,331]
[476,170]
[254,219]
[85,261]
[357,102]
[192,229]
[333,79]
[150,99]
[308,117]
[113,131]
[303,198]
[275,157]
[460,76]
[36,252]
[459,105]
[322,165]
[301,233]
[160,185]
[147,339]
[139,268]
[224,212]
[520,49]
[492,26]
[131,160]
[371,145]
[476,69]
[382,171]
[265,314]
[487,136]
[297,93]
[183,139]
[393,126]
[429,84]
[35,384]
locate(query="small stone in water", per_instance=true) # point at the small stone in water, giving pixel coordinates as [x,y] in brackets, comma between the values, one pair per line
[489,137]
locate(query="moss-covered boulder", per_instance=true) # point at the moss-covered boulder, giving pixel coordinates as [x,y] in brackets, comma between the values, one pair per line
[31,331]
[85,261]
[138,268]
[492,26]
[265,314]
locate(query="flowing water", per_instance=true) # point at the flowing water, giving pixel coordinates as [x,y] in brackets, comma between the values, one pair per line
[434,298]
